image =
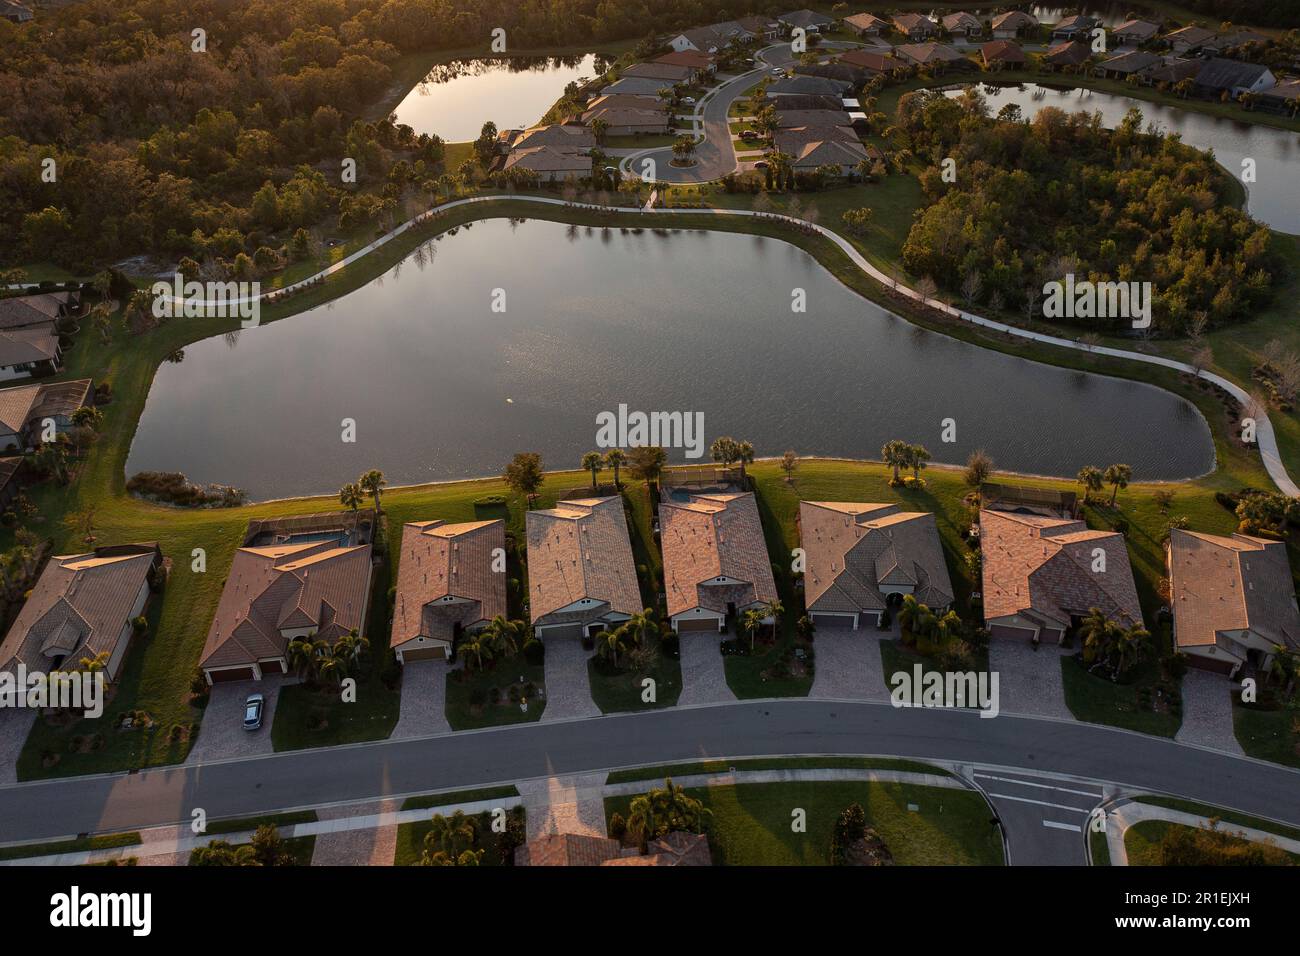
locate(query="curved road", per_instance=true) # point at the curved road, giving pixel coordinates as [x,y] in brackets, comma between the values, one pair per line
[54,808]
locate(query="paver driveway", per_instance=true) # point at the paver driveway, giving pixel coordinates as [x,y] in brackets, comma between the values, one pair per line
[1207,712]
[424,700]
[15,725]
[704,681]
[847,664]
[568,693]
[222,732]
[1029,681]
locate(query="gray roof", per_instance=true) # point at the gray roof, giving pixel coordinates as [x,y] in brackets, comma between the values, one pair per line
[1223,74]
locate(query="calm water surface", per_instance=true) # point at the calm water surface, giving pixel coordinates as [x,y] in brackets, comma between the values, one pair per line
[456,99]
[1274,196]
[442,387]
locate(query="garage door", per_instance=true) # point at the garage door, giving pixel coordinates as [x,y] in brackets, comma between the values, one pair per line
[832,622]
[1011,633]
[234,673]
[271,667]
[1210,664]
[701,624]
[432,652]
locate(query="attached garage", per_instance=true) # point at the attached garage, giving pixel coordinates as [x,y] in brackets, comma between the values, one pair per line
[273,666]
[1010,632]
[1221,665]
[231,674]
[840,621]
[421,651]
[706,624]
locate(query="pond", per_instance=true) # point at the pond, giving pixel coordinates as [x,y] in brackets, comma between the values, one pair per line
[455,99]
[1109,14]
[1273,197]
[441,386]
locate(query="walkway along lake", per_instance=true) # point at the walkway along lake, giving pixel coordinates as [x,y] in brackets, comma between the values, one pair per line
[442,387]
[1274,197]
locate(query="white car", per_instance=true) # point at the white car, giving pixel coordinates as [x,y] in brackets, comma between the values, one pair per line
[777,71]
[688,100]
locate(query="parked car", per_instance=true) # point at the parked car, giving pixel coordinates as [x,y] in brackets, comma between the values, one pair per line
[253,710]
[748,134]
[760,165]
[777,71]
[688,100]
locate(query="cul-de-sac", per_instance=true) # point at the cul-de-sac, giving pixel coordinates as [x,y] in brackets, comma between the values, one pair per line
[620,433]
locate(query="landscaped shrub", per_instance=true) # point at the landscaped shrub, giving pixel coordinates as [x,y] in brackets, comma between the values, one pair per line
[534,652]
[172,487]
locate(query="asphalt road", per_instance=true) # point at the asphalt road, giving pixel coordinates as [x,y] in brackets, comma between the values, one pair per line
[257,785]
[1045,818]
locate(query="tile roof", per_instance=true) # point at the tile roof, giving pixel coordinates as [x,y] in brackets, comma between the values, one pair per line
[926,53]
[1043,566]
[549,159]
[22,310]
[805,18]
[660,71]
[711,536]
[616,116]
[1007,51]
[808,84]
[1068,53]
[853,547]
[1219,73]
[869,60]
[79,607]
[1219,583]
[16,406]
[907,22]
[792,119]
[1134,61]
[1142,29]
[866,21]
[1014,20]
[36,343]
[815,153]
[439,560]
[580,549]
[280,587]
[962,21]
[1193,35]
[691,58]
[568,849]
[636,85]
[556,134]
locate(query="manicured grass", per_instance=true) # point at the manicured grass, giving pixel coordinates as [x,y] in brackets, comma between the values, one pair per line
[1099,848]
[1142,841]
[758,675]
[1268,734]
[752,823]
[895,658]
[301,848]
[621,690]
[458,796]
[105,842]
[462,714]
[773,763]
[1100,701]
[1227,816]
[252,823]
[410,844]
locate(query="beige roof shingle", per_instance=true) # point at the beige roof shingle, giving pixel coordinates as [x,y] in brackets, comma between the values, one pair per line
[710,537]
[438,561]
[580,550]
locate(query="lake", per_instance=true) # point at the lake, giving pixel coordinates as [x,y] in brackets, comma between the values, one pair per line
[1273,198]
[441,386]
[456,99]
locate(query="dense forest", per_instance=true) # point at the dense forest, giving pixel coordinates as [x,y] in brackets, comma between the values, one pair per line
[1129,205]
[162,149]
[1260,13]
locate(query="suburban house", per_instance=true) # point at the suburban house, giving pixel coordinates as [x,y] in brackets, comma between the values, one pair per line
[296,586]
[719,36]
[933,56]
[963,24]
[550,163]
[20,311]
[15,12]
[716,565]
[563,136]
[581,849]
[1135,32]
[793,119]
[667,73]
[25,409]
[447,585]
[1172,71]
[1233,600]
[1077,27]
[581,577]
[810,101]
[866,24]
[624,115]
[812,147]
[700,64]
[82,606]
[852,75]
[29,338]
[1128,64]
[1067,56]
[807,85]
[873,62]
[1189,39]
[1039,579]
[759,28]
[915,26]
[1009,26]
[1219,76]
[1002,55]
[863,557]
[635,86]
[1284,98]
[808,20]
[1234,40]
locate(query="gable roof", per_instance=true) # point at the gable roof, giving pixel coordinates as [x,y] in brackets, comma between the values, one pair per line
[317,584]
[580,550]
[1134,61]
[1231,583]
[961,20]
[549,159]
[926,53]
[790,119]
[439,560]
[808,84]
[1191,34]
[870,60]
[1142,29]
[713,536]
[1219,73]
[1007,51]
[1068,53]
[22,310]
[37,343]
[80,606]
[24,404]
[1014,20]
[567,136]
[1042,567]
[668,72]
[854,547]
[866,21]
[691,58]
[1076,23]
[805,18]
[907,22]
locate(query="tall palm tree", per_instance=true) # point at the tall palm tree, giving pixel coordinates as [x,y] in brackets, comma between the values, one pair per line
[302,656]
[894,454]
[1117,476]
[909,614]
[1094,630]
[372,482]
[503,636]
[641,625]
[351,496]
[593,461]
[1091,478]
[1132,645]
[477,645]
[609,644]
[774,609]
[752,621]
[917,457]
[616,458]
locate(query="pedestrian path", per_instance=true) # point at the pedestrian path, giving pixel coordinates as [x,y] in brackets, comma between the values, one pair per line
[1125,816]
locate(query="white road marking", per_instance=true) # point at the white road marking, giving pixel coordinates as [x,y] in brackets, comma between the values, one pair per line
[1062,826]
[1044,786]
[1041,803]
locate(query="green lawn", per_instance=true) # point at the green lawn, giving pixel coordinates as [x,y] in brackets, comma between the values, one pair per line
[240,824]
[469,701]
[1227,816]
[105,842]
[752,823]
[1100,701]
[410,844]
[897,658]
[1142,842]
[620,689]
[773,763]
[1099,848]
[1268,734]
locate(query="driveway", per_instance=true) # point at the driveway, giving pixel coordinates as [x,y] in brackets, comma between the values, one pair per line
[424,700]
[704,680]
[564,804]
[363,846]
[1207,712]
[847,664]
[15,725]
[1029,681]
[568,693]
[222,733]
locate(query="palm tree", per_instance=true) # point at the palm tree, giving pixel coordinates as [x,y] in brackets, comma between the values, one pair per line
[332,667]
[352,647]
[894,454]
[100,314]
[52,458]
[752,621]
[641,625]
[593,461]
[302,656]
[610,643]
[1091,478]
[1117,476]
[503,636]
[909,614]
[1131,646]
[917,456]
[371,482]
[774,609]
[615,458]
[93,665]
[351,496]
[1094,630]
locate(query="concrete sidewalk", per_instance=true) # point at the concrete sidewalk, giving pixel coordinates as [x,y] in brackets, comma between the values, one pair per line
[1121,818]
